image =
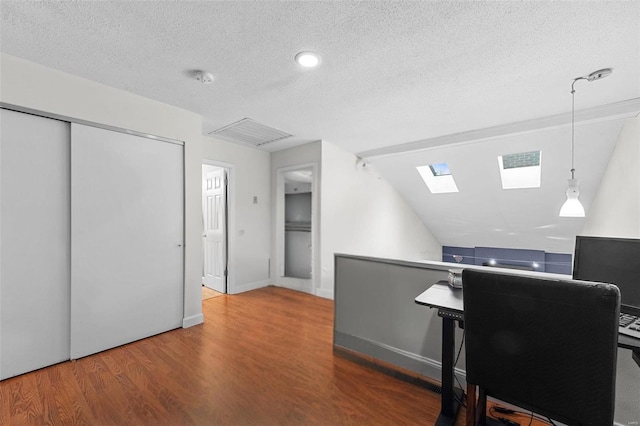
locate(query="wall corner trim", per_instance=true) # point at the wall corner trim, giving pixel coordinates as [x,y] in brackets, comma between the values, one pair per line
[192,320]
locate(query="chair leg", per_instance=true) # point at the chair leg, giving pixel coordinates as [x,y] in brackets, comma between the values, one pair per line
[481,410]
[471,405]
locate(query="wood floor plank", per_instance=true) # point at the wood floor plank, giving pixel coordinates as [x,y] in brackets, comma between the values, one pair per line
[65,394]
[263,357]
[24,406]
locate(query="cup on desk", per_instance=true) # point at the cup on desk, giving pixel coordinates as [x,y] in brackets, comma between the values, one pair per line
[455,278]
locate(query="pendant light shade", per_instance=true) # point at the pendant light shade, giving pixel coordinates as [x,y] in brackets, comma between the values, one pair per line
[572,207]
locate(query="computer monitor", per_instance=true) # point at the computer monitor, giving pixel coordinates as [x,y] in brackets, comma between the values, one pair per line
[611,260]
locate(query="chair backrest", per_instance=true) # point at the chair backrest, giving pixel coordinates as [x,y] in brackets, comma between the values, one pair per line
[545,345]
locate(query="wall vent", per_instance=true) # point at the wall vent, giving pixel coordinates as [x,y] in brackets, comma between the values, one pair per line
[250,132]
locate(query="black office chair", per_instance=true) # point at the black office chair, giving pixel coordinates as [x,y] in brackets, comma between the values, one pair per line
[545,345]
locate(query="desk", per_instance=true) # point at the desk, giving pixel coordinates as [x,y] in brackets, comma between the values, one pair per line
[450,305]
[629,342]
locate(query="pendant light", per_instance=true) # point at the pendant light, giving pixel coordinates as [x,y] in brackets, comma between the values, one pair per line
[572,207]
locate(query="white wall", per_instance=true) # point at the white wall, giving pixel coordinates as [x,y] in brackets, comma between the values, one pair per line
[295,187]
[250,226]
[29,85]
[359,213]
[362,214]
[615,212]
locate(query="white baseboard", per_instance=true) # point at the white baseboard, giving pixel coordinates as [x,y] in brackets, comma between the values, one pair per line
[422,365]
[327,294]
[241,288]
[297,284]
[192,320]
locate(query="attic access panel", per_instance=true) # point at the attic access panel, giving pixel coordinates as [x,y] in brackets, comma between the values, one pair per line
[250,132]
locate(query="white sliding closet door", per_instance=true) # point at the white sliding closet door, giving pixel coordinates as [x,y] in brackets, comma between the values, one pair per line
[34,242]
[127,238]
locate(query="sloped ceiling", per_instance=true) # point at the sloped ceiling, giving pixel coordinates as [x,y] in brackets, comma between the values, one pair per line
[484,214]
[392,73]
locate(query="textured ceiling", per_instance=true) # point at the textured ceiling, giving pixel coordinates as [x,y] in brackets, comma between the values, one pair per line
[392,72]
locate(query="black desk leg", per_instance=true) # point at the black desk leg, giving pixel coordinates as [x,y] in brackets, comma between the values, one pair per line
[451,397]
[448,345]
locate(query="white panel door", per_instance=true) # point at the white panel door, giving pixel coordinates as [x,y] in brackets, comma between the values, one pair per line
[214,205]
[127,205]
[34,242]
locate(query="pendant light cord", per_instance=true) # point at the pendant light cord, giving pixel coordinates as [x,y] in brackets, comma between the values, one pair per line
[573,125]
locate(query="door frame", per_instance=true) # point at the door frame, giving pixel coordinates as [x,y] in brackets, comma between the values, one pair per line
[279,232]
[231,219]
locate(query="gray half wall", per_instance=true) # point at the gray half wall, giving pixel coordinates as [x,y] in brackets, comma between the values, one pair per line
[375,313]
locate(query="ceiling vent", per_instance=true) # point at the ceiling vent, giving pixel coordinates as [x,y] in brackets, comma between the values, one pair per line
[249,132]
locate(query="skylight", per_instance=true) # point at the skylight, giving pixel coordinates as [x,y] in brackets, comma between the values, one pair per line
[438,178]
[440,169]
[521,170]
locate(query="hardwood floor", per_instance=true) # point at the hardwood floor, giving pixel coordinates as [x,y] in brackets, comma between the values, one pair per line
[208,293]
[261,358]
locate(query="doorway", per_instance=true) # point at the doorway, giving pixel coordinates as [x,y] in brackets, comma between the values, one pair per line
[297,223]
[296,227]
[215,246]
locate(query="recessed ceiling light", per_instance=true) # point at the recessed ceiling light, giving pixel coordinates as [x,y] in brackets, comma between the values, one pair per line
[308,59]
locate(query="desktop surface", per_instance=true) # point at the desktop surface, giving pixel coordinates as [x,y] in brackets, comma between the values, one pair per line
[442,296]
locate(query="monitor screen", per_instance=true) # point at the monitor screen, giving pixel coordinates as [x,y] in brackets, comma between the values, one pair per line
[611,260]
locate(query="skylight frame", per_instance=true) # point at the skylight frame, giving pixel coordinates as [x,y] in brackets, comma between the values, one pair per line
[528,176]
[438,182]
